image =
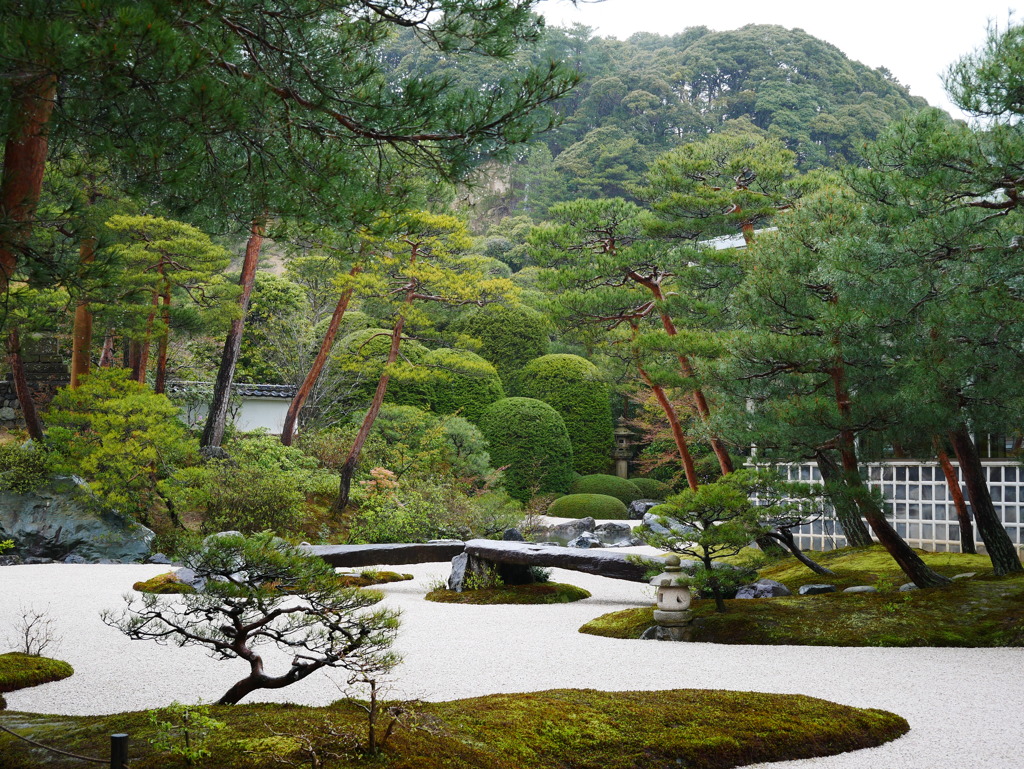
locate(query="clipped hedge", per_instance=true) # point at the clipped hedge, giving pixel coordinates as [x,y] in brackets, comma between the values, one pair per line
[528,438]
[574,387]
[361,356]
[508,336]
[651,488]
[600,506]
[461,381]
[612,485]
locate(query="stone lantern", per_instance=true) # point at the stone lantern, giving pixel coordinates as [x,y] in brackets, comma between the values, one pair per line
[672,612]
[623,448]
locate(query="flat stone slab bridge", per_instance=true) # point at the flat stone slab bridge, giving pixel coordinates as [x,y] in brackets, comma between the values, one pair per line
[511,560]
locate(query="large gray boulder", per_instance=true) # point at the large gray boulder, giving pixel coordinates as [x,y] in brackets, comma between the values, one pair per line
[674,528]
[564,533]
[763,588]
[638,507]
[64,518]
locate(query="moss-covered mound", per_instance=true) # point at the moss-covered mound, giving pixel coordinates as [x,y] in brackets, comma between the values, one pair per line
[163,584]
[933,617]
[528,438]
[573,386]
[539,730]
[19,671]
[599,506]
[544,592]
[650,488]
[612,485]
[371,577]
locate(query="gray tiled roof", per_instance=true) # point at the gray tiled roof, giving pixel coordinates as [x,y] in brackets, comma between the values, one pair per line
[241,389]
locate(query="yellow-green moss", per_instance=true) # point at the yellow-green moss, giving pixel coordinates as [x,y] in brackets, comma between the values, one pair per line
[931,617]
[19,671]
[538,593]
[371,577]
[539,730]
[163,584]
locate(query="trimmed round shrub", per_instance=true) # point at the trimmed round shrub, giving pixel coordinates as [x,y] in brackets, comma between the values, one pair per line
[462,381]
[528,438]
[612,485]
[361,356]
[599,506]
[651,488]
[509,336]
[574,388]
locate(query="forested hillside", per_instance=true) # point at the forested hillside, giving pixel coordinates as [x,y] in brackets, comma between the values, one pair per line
[644,95]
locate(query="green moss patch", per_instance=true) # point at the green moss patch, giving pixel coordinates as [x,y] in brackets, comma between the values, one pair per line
[933,617]
[370,577]
[543,592]
[163,584]
[580,728]
[19,671]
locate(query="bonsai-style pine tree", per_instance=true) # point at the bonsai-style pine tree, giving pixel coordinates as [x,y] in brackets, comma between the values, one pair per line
[260,590]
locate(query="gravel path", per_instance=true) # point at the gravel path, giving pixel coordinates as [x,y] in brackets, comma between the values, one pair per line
[965,706]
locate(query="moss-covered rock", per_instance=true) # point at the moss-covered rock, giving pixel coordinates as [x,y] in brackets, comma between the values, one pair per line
[611,485]
[537,593]
[372,577]
[20,671]
[600,506]
[528,438]
[163,584]
[650,488]
[575,388]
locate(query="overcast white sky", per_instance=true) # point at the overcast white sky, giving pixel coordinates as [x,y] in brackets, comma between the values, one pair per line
[915,39]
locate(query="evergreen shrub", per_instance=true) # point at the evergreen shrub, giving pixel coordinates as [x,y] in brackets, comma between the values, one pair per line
[23,468]
[600,506]
[574,388]
[508,336]
[361,356]
[461,381]
[528,438]
[651,488]
[612,485]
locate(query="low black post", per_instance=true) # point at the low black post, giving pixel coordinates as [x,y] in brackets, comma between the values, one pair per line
[119,751]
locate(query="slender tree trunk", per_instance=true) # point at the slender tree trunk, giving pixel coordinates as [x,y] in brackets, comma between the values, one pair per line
[673,421]
[107,356]
[686,368]
[133,351]
[916,570]
[786,538]
[847,514]
[997,542]
[216,420]
[31,105]
[326,344]
[966,526]
[142,363]
[161,356]
[81,340]
[348,469]
[25,400]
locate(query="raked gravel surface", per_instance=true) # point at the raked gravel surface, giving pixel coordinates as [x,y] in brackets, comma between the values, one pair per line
[965,706]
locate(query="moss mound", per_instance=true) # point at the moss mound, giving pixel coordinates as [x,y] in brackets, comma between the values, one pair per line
[539,730]
[461,381]
[545,592]
[612,485]
[19,671]
[599,506]
[650,488]
[371,577]
[931,617]
[508,336]
[163,584]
